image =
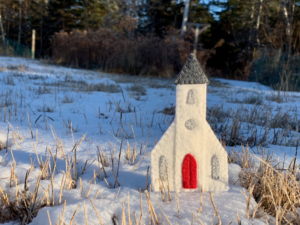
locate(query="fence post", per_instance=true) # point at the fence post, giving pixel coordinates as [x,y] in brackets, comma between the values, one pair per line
[33,45]
[2,30]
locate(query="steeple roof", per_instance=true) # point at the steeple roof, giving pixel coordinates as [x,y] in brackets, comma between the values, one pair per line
[191,73]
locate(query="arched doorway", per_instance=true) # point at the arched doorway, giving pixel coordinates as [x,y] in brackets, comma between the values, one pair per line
[189,172]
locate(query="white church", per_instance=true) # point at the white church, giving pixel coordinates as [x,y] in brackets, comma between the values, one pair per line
[189,151]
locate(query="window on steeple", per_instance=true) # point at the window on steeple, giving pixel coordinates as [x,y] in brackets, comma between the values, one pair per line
[191,97]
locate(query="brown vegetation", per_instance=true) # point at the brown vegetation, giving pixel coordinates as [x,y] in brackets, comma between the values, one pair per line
[275,189]
[104,49]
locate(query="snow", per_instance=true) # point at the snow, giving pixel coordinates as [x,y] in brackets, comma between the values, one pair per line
[243,85]
[140,126]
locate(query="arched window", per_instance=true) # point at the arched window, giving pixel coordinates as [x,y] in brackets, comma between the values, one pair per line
[191,97]
[215,168]
[163,168]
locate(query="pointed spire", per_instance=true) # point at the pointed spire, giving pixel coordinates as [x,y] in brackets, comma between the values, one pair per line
[191,73]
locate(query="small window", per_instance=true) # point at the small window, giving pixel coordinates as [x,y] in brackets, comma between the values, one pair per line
[191,97]
[191,124]
[215,168]
[163,168]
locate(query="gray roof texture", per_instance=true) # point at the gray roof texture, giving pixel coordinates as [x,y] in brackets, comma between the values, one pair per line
[191,73]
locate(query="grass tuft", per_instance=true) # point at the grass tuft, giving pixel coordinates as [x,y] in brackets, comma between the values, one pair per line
[138,89]
[8,80]
[275,188]
[67,99]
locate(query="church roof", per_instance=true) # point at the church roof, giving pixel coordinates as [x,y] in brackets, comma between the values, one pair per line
[191,73]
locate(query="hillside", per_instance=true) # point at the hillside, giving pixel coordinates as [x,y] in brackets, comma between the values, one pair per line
[108,124]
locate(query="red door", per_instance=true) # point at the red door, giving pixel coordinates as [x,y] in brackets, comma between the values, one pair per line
[189,172]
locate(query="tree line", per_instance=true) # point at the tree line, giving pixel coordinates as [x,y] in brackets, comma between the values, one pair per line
[244,38]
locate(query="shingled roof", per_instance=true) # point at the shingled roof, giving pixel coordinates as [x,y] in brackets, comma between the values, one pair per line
[191,73]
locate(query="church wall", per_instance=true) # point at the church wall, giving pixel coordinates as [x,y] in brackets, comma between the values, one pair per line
[165,147]
[190,137]
[215,149]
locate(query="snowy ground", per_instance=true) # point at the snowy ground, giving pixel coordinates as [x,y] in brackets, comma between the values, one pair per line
[108,109]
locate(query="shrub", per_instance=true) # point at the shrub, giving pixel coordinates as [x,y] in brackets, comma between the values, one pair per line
[104,49]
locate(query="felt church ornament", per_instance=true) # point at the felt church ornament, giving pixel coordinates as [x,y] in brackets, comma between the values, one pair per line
[189,155]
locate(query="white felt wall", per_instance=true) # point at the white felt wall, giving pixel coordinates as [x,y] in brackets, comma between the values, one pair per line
[215,148]
[165,147]
[190,134]
[190,141]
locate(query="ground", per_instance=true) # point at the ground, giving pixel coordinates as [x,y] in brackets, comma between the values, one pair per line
[53,112]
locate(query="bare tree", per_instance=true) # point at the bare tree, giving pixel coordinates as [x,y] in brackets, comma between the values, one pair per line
[288,8]
[1,26]
[257,23]
[41,27]
[20,23]
[2,30]
[185,17]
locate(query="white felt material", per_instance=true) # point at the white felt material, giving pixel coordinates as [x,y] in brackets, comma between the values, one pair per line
[191,134]
[214,147]
[165,147]
[190,141]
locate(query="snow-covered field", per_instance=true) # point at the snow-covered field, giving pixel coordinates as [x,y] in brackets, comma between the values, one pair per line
[114,121]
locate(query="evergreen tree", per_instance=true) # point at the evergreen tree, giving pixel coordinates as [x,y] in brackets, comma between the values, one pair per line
[160,15]
[51,17]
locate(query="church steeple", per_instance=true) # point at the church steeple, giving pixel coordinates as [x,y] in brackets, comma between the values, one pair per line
[191,73]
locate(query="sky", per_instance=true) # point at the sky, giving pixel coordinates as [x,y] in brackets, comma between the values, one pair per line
[214,9]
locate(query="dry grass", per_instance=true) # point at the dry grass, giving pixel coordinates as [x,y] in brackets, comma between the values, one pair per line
[37,77]
[256,125]
[67,99]
[275,189]
[71,84]
[68,124]
[2,69]
[43,90]
[253,99]
[130,154]
[137,89]
[46,108]
[8,80]
[123,131]
[18,67]
[110,88]
[24,205]
[157,85]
